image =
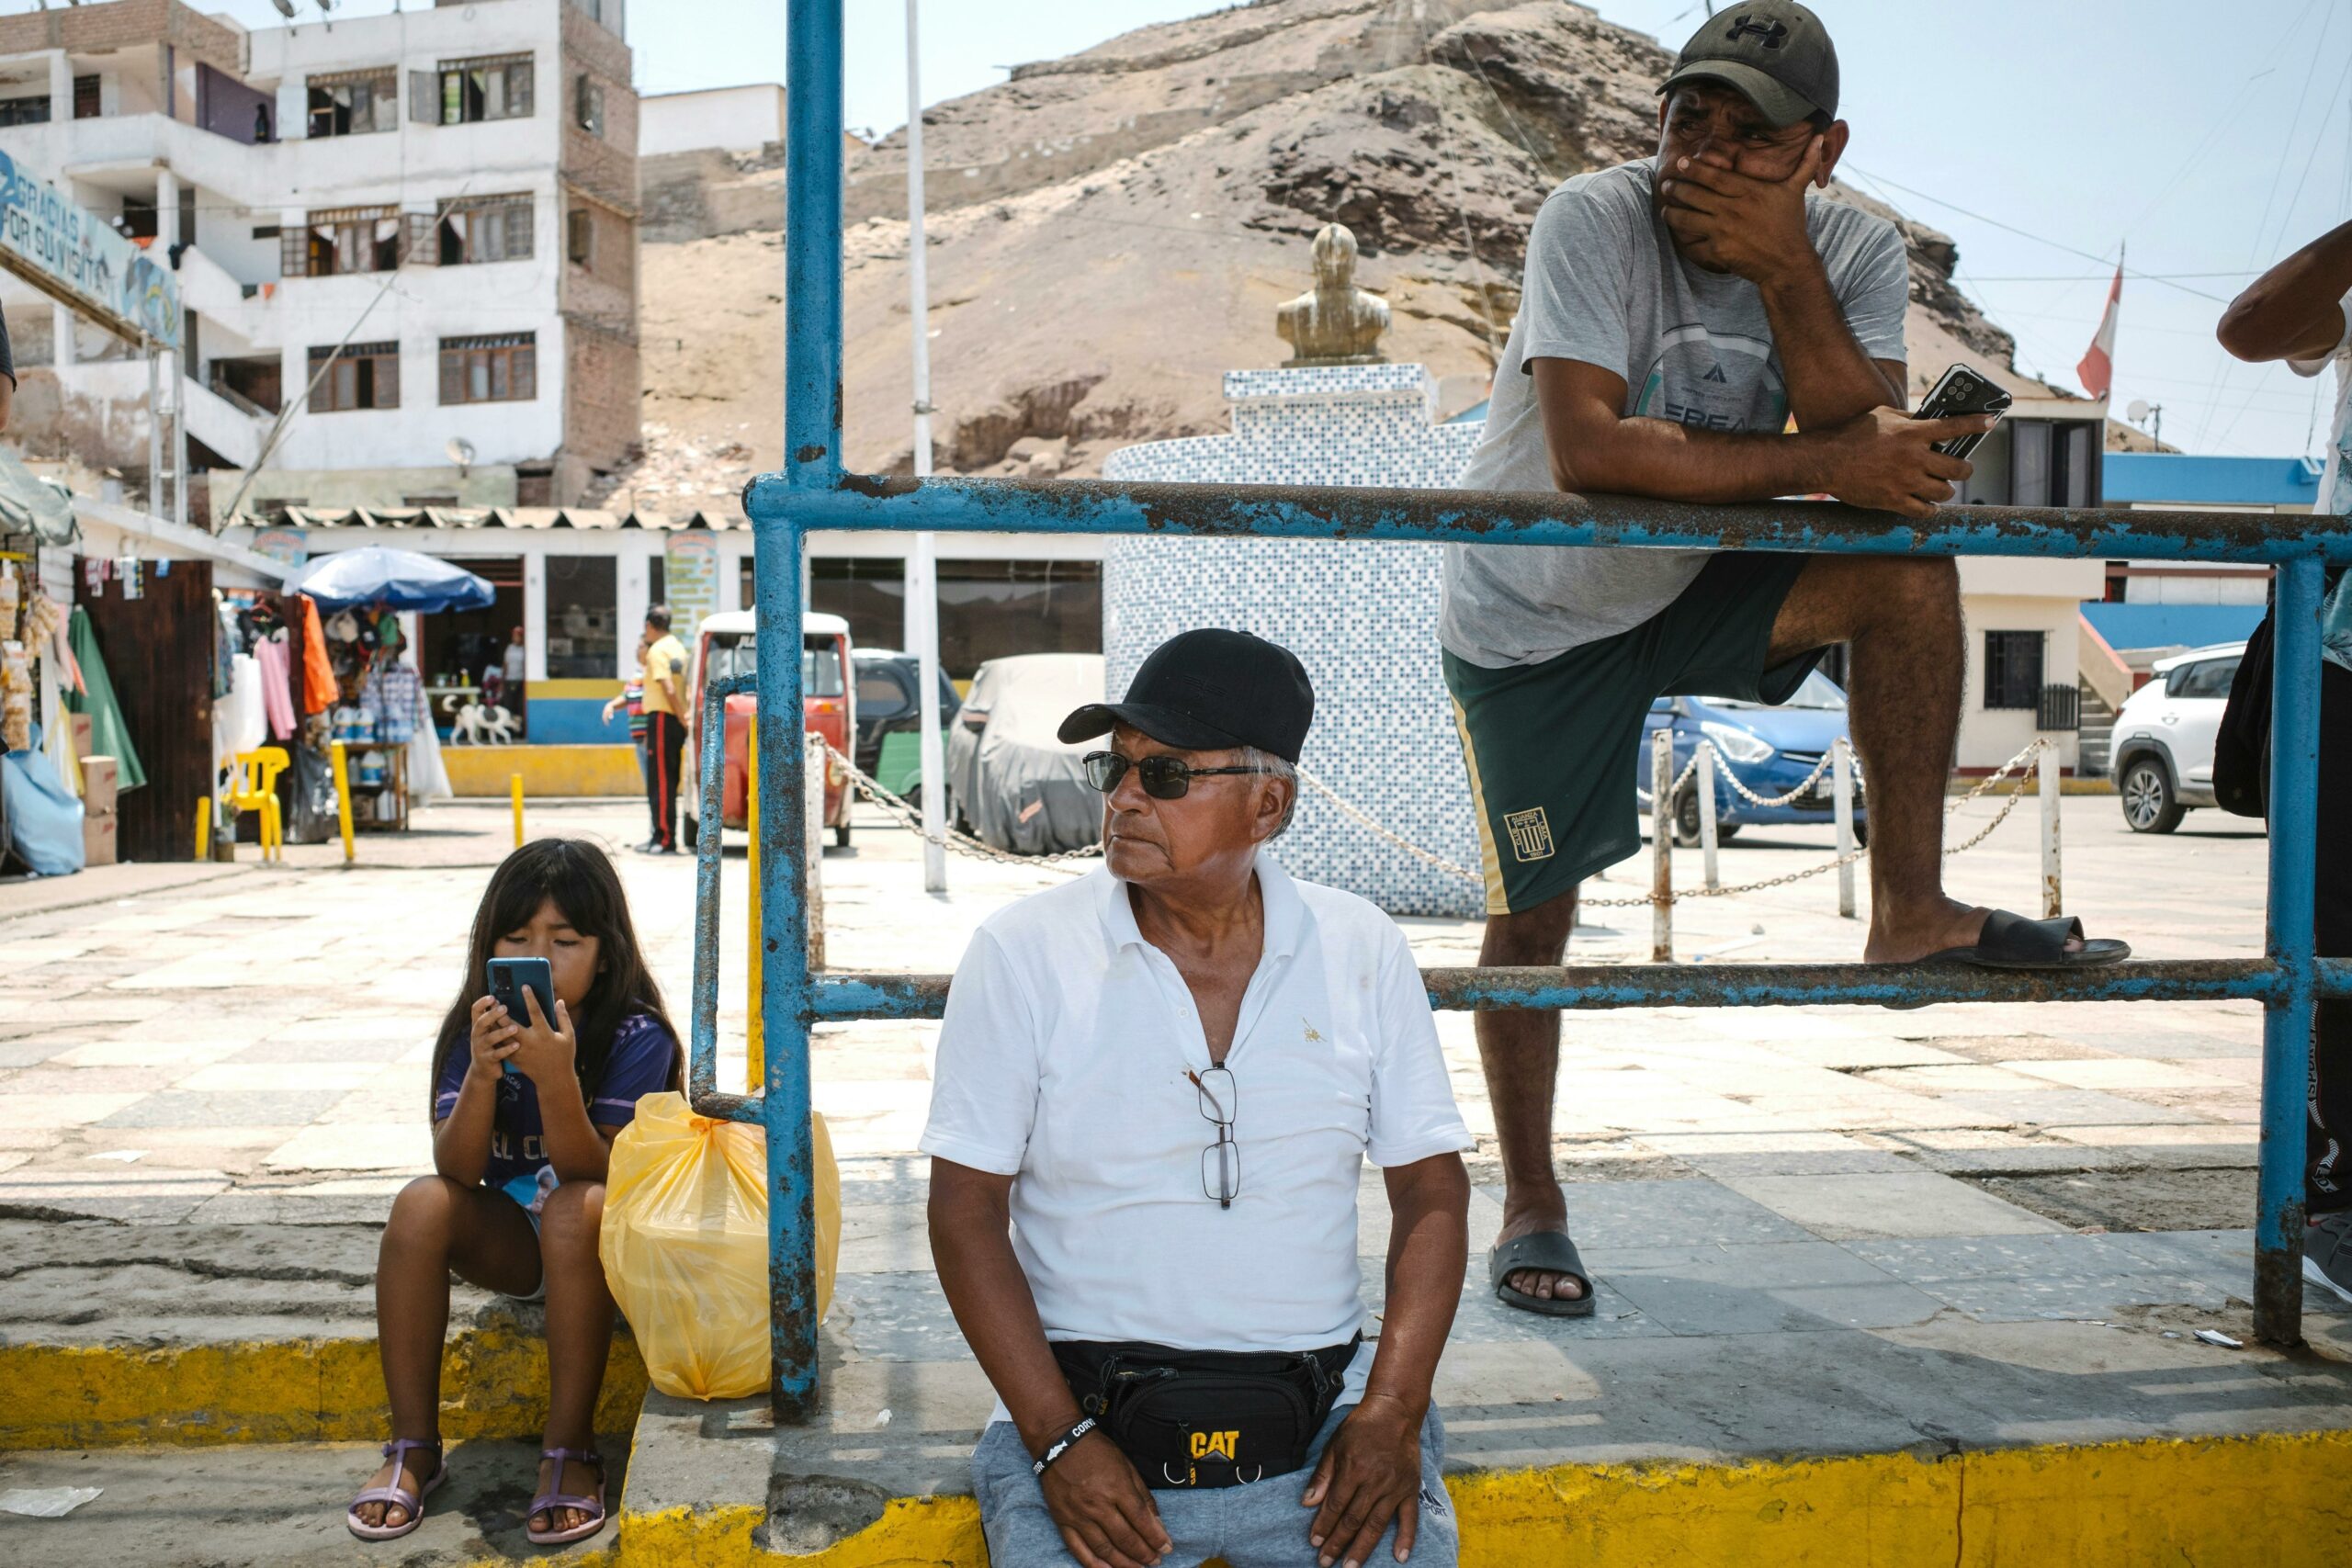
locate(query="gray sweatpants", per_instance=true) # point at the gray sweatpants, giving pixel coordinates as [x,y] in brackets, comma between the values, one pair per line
[1251,1527]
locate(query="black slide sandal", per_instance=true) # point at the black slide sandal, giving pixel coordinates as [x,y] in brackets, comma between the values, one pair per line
[2012,941]
[1549,1252]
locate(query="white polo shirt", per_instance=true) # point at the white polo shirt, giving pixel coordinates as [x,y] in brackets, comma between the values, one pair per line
[1063,1062]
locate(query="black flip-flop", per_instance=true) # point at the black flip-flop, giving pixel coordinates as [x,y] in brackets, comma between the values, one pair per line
[1549,1252]
[2012,941]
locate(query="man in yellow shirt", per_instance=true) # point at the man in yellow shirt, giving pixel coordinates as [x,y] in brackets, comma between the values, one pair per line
[665,728]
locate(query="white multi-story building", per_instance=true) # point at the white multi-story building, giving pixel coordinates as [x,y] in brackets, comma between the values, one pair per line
[418,228]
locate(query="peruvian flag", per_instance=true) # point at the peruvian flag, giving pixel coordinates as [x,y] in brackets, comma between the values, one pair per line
[2097,372]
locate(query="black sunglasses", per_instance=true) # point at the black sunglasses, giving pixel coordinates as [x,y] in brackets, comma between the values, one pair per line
[1163,777]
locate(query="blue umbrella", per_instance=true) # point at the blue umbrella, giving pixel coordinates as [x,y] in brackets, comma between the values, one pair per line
[402,579]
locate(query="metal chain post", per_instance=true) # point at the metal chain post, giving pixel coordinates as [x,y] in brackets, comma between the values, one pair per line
[2046,777]
[1841,790]
[1662,845]
[1706,761]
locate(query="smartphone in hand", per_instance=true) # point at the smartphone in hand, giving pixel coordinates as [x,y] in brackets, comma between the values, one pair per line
[510,978]
[1962,391]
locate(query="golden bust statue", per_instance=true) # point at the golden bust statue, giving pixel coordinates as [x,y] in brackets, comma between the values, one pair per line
[1335,322]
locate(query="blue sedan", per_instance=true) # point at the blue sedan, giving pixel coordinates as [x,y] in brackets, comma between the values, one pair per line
[1770,749]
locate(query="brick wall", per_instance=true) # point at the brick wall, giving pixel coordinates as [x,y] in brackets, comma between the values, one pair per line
[602,384]
[601,402]
[604,165]
[605,291]
[123,24]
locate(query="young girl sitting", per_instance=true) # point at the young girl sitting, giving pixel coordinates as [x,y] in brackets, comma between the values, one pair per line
[524,1109]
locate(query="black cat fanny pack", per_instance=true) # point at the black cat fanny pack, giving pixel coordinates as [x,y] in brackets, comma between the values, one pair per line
[1203,1419]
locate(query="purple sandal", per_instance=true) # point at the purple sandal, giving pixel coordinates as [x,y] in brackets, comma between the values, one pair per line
[549,1502]
[396,1495]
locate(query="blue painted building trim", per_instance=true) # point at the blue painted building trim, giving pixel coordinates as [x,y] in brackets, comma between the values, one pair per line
[2171,625]
[2187,478]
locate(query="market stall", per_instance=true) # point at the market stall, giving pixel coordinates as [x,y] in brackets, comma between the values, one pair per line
[43,827]
[378,713]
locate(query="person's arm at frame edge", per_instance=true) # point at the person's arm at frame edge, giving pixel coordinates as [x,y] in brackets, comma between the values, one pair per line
[2294,310]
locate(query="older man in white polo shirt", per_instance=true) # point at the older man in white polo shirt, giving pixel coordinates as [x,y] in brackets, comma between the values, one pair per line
[1165,1077]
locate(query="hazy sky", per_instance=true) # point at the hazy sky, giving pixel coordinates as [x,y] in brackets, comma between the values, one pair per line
[2213,139]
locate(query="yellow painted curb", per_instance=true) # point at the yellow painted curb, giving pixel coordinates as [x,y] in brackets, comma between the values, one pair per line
[2270,1500]
[493,1384]
[548,771]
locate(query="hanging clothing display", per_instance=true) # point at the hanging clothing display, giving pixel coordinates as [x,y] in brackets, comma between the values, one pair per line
[428,779]
[227,643]
[276,693]
[395,698]
[240,721]
[45,635]
[59,742]
[110,737]
[318,689]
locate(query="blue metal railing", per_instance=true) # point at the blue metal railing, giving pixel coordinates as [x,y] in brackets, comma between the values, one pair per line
[814,492]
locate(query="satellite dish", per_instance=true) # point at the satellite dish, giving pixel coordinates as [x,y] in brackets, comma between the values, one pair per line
[461,452]
[2138,412]
[285,9]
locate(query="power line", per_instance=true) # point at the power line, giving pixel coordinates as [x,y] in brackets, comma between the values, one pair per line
[2167,279]
[2102,276]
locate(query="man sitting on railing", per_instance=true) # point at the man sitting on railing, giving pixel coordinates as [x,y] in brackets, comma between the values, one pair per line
[2300,312]
[1166,1076]
[1680,315]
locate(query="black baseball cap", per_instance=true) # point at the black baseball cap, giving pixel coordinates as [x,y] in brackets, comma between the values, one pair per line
[1209,691]
[1775,52]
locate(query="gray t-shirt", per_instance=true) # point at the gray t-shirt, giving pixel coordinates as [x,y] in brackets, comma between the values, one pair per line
[1605,287]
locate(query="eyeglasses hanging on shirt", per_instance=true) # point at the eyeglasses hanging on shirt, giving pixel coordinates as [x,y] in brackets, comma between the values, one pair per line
[1221,1161]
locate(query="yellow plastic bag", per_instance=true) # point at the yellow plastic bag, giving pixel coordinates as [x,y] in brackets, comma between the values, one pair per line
[686,1245]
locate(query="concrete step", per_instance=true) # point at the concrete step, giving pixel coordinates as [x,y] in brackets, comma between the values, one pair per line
[117,1335]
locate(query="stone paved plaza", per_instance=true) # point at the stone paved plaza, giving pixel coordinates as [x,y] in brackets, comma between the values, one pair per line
[1825,1230]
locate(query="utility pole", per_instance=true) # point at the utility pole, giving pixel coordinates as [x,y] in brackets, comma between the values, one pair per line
[923,589]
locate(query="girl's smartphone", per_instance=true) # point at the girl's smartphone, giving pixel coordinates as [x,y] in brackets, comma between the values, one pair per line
[510,978]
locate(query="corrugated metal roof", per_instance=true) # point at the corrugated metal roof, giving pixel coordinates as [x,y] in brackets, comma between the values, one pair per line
[536,517]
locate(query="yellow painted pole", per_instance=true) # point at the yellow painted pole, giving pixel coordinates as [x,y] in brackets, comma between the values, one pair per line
[343,798]
[757,1078]
[203,828]
[515,786]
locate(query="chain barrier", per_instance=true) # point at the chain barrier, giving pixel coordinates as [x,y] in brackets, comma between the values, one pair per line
[1644,901]
[910,817]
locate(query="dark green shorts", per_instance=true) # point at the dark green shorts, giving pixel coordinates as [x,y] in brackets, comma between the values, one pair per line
[1553,748]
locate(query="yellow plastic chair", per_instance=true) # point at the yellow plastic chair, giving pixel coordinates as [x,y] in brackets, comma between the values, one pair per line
[253,787]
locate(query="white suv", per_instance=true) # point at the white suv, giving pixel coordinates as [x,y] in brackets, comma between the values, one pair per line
[2163,736]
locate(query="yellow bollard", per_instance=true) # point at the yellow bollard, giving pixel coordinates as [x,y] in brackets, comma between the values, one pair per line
[343,798]
[203,828]
[757,1075]
[514,785]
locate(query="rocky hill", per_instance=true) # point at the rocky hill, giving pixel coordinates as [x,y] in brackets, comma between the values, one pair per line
[1111,231]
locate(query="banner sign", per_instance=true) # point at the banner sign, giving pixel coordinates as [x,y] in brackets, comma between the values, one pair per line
[77,259]
[690,577]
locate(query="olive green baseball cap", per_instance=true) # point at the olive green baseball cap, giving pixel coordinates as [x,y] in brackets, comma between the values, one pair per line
[1775,52]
